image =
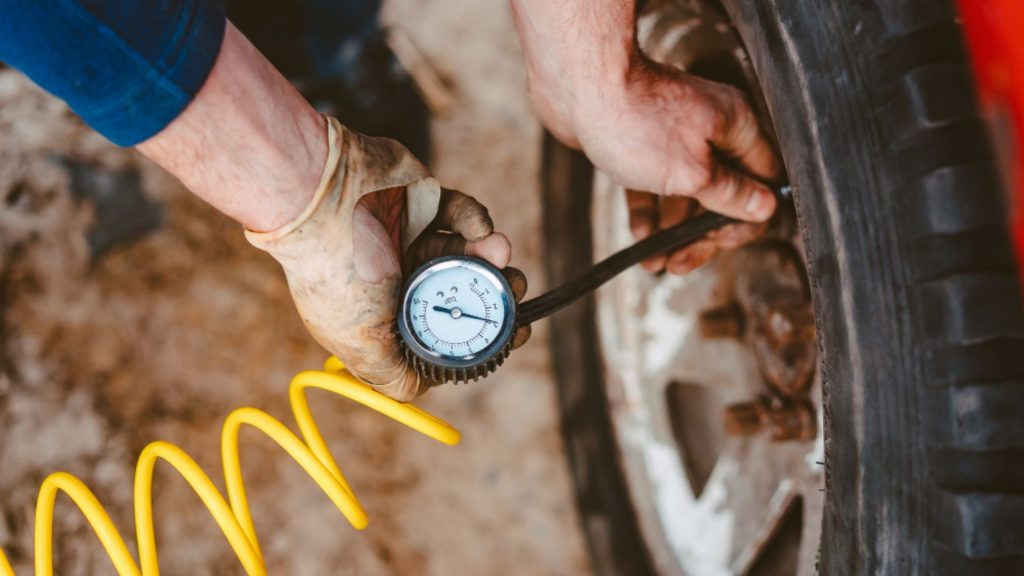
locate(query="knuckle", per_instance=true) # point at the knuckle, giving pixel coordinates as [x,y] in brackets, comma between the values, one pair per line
[732,187]
[690,181]
[708,194]
[471,218]
[717,112]
[465,206]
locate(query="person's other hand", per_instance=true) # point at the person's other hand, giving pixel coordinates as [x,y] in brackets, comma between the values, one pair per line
[689,144]
[649,127]
[341,255]
[677,135]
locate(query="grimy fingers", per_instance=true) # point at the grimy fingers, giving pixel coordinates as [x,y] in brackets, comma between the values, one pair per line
[739,136]
[494,248]
[735,194]
[676,209]
[523,334]
[643,213]
[736,235]
[692,257]
[464,215]
[643,221]
[517,281]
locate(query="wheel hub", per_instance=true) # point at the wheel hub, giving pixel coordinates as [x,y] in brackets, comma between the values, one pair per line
[711,377]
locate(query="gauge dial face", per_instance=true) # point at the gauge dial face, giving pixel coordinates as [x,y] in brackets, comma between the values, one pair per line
[457,311]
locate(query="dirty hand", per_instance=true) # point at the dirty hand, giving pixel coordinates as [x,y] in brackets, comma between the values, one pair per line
[669,138]
[375,201]
[651,128]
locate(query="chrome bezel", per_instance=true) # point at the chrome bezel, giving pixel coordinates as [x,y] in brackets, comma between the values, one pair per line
[498,283]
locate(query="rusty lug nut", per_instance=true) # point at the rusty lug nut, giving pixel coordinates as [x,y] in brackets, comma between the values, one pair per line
[792,422]
[784,422]
[780,327]
[746,418]
[790,323]
[724,322]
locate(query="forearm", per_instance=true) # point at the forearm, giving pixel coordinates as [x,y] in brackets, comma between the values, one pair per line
[248,144]
[577,52]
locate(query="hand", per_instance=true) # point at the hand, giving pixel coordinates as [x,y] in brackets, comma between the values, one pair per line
[668,135]
[341,255]
[649,127]
[676,135]
[700,123]
[344,212]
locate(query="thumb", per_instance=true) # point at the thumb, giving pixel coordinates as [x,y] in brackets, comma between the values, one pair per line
[737,134]
[737,195]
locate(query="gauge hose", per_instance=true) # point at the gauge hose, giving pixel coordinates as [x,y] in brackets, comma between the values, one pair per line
[673,238]
[232,514]
[667,240]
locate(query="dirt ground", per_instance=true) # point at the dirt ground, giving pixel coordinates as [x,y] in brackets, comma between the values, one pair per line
[132,312]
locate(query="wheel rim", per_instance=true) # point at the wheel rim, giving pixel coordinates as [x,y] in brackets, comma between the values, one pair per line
[706,503]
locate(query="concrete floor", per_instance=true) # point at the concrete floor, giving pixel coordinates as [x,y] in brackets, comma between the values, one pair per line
[160,339]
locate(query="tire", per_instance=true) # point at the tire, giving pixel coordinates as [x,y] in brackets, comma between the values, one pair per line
[915,290]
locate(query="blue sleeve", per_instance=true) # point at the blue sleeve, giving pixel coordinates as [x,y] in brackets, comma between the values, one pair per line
[127,67]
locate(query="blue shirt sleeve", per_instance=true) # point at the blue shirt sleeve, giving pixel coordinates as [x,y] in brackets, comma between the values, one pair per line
[127,67]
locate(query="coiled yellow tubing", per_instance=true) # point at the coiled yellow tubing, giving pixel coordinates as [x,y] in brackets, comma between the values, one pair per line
[232,515]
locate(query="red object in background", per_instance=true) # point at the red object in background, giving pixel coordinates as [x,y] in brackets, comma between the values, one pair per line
[995,34]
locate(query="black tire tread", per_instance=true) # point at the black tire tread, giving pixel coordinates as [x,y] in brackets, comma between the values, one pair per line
[945,561]
[986,471]
[994,360]
[980,417]
[936,205]
[968,303]
[980,525]
[971,307]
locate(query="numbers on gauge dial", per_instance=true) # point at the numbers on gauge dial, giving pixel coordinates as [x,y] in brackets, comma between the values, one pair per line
[456,312]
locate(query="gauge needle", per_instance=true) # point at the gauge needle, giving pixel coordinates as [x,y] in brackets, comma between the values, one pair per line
[458,313]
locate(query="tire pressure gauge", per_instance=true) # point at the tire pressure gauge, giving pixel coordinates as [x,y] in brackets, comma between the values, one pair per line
[458,315]
[457,319]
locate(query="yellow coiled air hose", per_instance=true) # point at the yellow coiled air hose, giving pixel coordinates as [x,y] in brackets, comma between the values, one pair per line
[232,515]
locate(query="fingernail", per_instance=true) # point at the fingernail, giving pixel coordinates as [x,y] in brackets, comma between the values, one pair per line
[759,205]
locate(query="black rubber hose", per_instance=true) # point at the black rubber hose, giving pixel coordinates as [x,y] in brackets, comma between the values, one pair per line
[669,239]
[674,238]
